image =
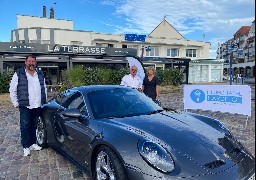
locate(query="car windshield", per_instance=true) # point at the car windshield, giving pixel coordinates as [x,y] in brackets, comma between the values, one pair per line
[120,102]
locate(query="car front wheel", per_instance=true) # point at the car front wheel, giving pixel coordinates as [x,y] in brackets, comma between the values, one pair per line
[108,165]
[41,133]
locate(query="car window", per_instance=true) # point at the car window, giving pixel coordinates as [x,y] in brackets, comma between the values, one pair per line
[77,101]
[72,99]
[120,102]
[63,96]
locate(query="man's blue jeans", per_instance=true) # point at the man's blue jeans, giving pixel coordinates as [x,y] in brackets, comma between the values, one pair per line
[28,125]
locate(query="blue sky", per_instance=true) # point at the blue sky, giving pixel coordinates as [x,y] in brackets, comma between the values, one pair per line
[208,20]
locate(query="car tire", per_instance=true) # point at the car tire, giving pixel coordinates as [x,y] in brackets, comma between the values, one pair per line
[41,134]
[107,165]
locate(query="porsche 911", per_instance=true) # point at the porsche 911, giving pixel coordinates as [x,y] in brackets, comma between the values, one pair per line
[118,133]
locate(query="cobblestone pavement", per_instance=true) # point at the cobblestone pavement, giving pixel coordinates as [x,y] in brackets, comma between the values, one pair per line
[47,164]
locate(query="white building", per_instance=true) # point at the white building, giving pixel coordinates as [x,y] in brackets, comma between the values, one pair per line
[206,70]
[164,40]
[169,49]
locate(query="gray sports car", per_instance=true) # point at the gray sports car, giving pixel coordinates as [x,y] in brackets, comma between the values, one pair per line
[115,132]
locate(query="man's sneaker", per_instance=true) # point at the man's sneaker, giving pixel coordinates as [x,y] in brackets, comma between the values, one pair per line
[26,151]
[35,147]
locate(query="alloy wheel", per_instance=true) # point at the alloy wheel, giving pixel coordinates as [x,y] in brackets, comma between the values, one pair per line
[40,131]
[104,167]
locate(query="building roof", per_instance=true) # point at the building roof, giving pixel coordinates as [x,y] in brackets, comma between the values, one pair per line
[228,41]
[244,30]
[165,30]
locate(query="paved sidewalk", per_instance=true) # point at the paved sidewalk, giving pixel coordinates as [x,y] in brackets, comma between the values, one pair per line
[46,164]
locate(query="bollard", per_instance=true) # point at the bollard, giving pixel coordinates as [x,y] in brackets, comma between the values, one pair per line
[242,80]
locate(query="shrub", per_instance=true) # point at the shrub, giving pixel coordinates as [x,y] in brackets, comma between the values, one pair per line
[80,75]
[176,77]
[72,78]
[5,78]
[169,77]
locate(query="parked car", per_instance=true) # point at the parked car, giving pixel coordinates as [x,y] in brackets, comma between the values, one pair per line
[115,132]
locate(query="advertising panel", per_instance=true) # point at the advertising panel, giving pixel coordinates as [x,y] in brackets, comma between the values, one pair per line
[223,98]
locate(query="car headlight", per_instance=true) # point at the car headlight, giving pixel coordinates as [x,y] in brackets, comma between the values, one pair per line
[156,156]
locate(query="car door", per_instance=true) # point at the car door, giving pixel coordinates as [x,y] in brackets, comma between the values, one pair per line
[77,134]
[57,118]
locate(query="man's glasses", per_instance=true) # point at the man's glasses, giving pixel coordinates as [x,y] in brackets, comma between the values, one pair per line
[134,70]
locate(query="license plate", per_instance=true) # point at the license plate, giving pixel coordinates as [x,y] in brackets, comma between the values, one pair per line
[252,177]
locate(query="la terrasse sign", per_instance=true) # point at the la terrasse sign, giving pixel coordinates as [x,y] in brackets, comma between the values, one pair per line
[77,49]
[223,98]
[63,49]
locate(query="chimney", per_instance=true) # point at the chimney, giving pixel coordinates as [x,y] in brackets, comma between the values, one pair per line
[44,11]
[51,13]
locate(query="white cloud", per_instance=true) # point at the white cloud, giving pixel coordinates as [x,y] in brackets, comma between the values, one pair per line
[219,19]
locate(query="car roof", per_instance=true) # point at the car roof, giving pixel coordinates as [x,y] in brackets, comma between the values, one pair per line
[86,89]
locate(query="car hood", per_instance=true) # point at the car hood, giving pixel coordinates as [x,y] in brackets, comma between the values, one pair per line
[185,134]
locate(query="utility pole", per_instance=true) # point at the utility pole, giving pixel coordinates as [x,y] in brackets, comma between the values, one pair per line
[142,52]
[248,46]
[165,17]
[230,68]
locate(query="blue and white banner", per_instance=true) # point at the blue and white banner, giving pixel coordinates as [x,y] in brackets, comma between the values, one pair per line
[223,98]
[132,61]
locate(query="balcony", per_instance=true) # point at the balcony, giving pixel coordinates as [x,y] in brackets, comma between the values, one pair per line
[252,53]
[242,39]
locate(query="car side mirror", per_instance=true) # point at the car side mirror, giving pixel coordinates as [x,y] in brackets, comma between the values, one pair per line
[72,112]
[84,120]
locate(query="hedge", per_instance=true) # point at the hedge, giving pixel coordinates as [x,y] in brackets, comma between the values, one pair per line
[81,76]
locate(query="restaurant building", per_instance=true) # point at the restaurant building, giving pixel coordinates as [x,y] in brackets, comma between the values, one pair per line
[59,46]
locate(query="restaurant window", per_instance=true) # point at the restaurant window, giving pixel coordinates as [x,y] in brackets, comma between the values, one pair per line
[45,41]
[173,52]
[77,43]
[190,52]
[154,51]
[133,46]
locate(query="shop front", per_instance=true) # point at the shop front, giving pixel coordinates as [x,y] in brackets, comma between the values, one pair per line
[168,63]
[52,60]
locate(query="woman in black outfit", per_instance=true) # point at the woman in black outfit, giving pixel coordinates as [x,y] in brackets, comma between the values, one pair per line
[151,84]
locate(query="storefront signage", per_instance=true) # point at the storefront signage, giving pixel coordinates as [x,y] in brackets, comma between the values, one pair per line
[76,49]
[21,47]
[62,49]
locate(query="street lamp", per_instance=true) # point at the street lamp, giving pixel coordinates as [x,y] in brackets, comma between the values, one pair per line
[230,68]
[233,47]
[148,48]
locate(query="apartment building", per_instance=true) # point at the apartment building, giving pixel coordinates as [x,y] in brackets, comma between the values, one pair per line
[241,51]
